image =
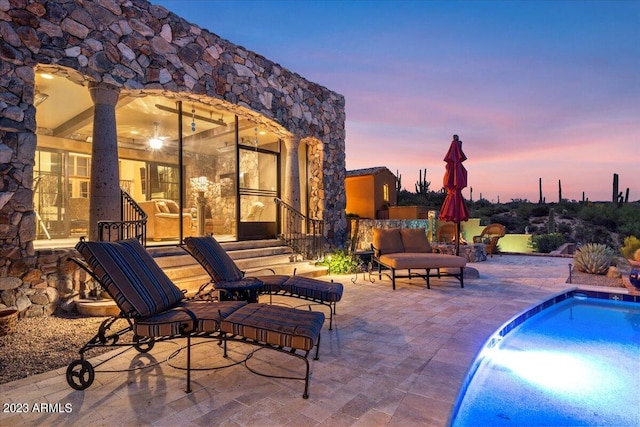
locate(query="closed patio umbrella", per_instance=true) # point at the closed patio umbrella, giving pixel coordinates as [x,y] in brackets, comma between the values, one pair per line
[455,179]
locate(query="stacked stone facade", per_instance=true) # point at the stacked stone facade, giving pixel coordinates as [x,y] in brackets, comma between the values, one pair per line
[142,49]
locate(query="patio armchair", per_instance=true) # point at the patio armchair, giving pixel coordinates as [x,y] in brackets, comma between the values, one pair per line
[490,236]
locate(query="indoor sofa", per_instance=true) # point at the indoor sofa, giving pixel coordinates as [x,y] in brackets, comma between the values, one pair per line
[163,219]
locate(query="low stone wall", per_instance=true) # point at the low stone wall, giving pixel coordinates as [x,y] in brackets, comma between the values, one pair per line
[365,229]
[41,283]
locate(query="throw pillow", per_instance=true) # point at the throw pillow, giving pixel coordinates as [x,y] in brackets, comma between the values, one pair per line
[387,240]
[415,240]
[172,207]
[162,207]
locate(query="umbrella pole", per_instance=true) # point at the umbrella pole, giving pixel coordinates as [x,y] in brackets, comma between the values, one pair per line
[457,237]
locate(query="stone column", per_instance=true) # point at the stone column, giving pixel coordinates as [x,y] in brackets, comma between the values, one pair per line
[104,201]
[292,173]
[292,183]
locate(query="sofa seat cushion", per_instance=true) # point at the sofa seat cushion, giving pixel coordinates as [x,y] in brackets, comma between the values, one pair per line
[168,323]
[314,288]
[407,260]
[275,325]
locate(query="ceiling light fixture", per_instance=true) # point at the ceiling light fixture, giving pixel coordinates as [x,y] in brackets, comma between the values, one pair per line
[155,142]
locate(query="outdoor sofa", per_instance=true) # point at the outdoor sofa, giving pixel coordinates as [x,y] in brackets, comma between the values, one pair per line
[225,275]
[153,309]
[408,249]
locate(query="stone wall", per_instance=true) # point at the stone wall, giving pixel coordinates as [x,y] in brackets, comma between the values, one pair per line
[142,49]
[47,281]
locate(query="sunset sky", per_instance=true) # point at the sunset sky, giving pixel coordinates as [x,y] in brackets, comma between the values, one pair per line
[535,89]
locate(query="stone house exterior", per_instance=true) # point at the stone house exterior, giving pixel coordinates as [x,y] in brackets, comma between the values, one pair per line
[99,96]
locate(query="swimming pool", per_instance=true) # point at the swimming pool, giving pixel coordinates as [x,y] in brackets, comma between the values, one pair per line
[572,360]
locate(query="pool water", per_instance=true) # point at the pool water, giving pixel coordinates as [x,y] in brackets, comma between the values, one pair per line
[576,362]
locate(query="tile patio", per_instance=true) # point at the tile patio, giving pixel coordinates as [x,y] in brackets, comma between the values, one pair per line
[394,358]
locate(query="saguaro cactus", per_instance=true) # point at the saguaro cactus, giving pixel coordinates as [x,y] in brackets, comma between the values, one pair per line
[559,191]
[615,188]
[540,187]
[398,181]
[422,186]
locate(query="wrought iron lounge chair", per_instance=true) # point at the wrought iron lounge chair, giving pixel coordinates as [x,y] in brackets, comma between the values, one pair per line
[225,274]
[154,310]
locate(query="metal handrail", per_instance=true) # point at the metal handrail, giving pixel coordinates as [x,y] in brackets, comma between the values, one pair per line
[133,222]
[304,235]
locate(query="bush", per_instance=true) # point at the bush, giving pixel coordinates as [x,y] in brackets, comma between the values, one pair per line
[540,210]
[342,262]
[545,243]
[631,245]
[590,234]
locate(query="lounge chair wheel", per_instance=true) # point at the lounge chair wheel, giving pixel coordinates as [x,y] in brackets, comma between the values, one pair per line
[143,344]
[80,374]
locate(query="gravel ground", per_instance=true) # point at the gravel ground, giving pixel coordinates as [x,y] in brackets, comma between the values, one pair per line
[43,344]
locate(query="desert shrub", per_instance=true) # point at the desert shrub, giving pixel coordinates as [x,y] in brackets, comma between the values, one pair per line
[540,210]
[604,215]
[545,243]
[513,224]
[631,245]
[593,258]
[588,234]
[565,228]
[342,262]
[524,210]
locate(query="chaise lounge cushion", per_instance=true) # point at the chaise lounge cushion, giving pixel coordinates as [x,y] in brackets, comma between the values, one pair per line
[415,240]
[387,240]
[275,325]
[168,323]
[133,279]
[313,288]
[214,259]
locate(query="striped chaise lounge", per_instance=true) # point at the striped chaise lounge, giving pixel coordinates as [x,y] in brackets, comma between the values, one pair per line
[224,273]
[156,310]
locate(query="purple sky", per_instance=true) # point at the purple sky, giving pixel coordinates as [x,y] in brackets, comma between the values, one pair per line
[535,89]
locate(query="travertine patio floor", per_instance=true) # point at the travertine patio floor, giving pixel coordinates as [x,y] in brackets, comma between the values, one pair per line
[394,358]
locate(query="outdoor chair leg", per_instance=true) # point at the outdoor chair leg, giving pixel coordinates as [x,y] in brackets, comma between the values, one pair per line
[188,390]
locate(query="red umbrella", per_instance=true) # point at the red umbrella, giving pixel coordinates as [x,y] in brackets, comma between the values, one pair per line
[455,179]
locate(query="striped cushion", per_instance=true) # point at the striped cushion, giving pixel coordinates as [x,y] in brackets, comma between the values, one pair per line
[131,276]
[168,323]
[272,283]
[314,288]
[213,258]
[275,325]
